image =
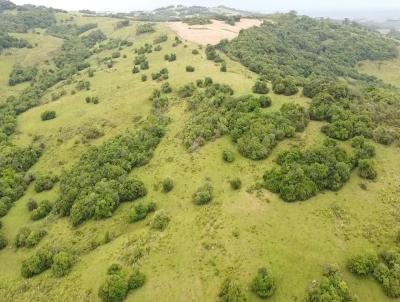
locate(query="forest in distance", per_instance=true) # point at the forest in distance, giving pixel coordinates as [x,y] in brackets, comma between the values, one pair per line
[139,164]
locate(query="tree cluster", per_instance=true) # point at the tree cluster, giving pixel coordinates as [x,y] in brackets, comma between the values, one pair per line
[301,174]
[99,182]
[384,268]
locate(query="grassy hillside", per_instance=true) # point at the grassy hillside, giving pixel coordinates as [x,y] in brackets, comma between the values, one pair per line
[234,235]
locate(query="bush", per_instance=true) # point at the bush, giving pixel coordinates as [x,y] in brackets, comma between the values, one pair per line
[131,189]
[48,115]
[366,169]
[387,273]
[158,48]
[231,292]
[285,86]
[160,221]
[62,264]
[31,205]
[3,241]
[228,156]
[166,88]
[141,210]
[236,183]
[331,288]
[170,57]
[167,185]
[265,101]
[260,87]
[37,263]
[114,289]
[203,195]
[136,279]
[28,238]
[189,68]
[116,54]
[384,135]
[363,265]
[144,78]
[223,67]
[114,269]
[135,69]
[44,208]
[45,183]
[263,284]
[195,52]
[187,90]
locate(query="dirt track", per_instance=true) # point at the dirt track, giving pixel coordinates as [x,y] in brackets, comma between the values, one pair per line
[211,33]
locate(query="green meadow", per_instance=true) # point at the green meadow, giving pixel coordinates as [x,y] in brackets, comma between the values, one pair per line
[234,235]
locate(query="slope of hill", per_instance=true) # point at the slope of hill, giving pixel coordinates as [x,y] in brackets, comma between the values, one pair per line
[126,150]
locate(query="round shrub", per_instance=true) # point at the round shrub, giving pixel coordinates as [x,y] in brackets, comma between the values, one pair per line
[48,115]
[131,189]
[167,185]
[263,284]
[285,86]
[43,209]
[37,263]
[136,279]
[228,156]
[144,78]
[114,289]
[62,264]
[231,292]
[236,183]
[140,211]
[223,67]
[189,68]
[44,183]
[260,87]
[265,101]
[203,195]
[135,69]
[363,264]
[160,221]
[366,169]
[195,52]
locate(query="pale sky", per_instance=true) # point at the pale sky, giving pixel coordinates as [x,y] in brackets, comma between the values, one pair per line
[302,6]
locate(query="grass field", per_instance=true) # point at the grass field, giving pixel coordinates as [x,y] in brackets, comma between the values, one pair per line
[234,235]
[388,71]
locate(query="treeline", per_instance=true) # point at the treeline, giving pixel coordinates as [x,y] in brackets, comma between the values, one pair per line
[14,163]
[65,30]
[301,46]
[96,186]
[27,18]
[197,21]
[145,28]
[371,112]
[21,74]
[7,41]
[216,112]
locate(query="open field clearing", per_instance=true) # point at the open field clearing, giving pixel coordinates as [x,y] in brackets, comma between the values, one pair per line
[211,33]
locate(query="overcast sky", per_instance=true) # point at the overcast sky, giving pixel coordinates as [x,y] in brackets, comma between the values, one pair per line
[253,5]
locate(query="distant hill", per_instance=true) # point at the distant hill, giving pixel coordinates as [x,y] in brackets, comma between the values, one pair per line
[180,12]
